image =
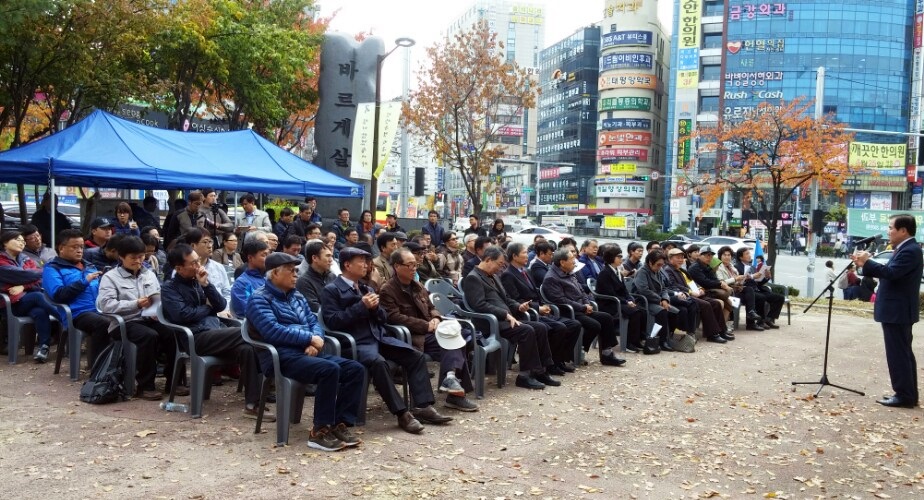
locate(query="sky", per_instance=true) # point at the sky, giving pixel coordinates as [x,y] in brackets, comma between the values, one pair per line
[424,20]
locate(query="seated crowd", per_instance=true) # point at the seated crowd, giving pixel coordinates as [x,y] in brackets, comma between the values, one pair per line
[295,280]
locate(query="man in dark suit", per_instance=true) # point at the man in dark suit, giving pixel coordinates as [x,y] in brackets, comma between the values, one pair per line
[478,248]
[485,294]
[897,306]
[348,305]
[563,332]
[539,266]
[757,280]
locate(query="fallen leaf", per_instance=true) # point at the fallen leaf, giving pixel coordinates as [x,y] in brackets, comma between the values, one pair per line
[145,433]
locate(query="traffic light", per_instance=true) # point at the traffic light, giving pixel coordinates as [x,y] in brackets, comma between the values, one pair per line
[690,216]
[818,222]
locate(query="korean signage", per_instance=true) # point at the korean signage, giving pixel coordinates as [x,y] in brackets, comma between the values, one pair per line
[510,130]
[626,123]
[549,173]
[619,190]
[526,14]
[752,78]
[621,168]
[869,155]
[614,7]
[625,60]
[638,154]
[615,222]
[628,81]
[918,30]
[684,129]
[624,139]
[618,38]
[865,223]
[688,50]
[752,11]
[361,161]
[761,45]
[625,104]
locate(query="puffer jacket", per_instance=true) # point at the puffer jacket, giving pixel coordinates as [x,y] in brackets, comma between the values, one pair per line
[244,286]
[66,283]
[282,319]
[19,271]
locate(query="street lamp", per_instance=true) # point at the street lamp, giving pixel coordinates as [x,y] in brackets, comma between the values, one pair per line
[374,182]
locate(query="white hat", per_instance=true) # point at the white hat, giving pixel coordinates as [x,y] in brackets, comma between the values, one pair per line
[449,334]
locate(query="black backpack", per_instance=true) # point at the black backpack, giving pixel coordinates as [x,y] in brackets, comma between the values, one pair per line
[105,382]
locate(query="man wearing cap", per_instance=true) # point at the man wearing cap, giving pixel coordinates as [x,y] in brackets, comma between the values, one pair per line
[279,315]
[189,299]
[677,282]
[485,294]
[387,243]
[352,307]
[704,275]
[407,303]
[391,224]
[100,232]
[35,249]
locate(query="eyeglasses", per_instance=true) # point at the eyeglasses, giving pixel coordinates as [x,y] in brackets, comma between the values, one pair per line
[408,264]
[231,240]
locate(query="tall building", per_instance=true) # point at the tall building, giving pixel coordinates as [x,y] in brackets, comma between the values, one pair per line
[568,76]
[632,107]
[730,56]
[520,27]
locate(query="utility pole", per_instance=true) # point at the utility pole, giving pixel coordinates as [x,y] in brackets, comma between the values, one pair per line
[812,238]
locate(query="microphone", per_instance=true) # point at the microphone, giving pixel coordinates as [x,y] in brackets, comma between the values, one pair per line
[864,241]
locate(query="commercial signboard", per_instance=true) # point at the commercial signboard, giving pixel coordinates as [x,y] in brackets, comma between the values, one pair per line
[615,222]
[864,223]
[638,154]
[625,138]
[880,156]
[688,40]
[621,38]
[626,124]
[625,104]
[626,60]
[632,81]
[684,143]
[619,190]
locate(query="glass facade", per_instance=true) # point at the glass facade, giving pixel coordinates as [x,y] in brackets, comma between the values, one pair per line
[773,50]
[568,75]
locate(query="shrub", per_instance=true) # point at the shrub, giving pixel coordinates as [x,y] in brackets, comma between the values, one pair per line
[652,231]
[793,292]
[825,251]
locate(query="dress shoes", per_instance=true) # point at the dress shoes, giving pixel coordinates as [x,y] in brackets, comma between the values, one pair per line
[755,327]
[632,348]
[895,402]
[566,367]
[429,415]
[149,395]
[665,346]
[528,382]
[555,370]
[752,315]
[771,323]
[410,424]
[611,360]
[727,336]
[547,379]
[718,339]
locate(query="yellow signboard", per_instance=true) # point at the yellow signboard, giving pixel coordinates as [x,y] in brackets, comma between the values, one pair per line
[615,222]
[869,155]
[623,168]
[690,12]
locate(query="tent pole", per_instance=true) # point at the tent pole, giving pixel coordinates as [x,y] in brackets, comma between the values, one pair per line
[53,204]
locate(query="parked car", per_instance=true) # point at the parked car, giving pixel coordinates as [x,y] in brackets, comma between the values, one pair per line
[527,235]
[883,258]
[12,216]
[683,239]
[717,242]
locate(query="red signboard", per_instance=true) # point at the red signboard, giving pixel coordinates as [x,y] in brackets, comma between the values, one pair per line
[549,173]
[911,173]
[624,138]
[918,30]
[639,154]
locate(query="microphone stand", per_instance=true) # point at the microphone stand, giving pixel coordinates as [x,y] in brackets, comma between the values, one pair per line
[824,373]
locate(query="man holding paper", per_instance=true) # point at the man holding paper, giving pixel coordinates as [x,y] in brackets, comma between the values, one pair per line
[757,277]
[679,283]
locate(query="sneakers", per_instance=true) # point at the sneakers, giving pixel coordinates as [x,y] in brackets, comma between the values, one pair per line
[324,439]
[344,434]
[460,403]
[252,413]
[452,386]
[41,355]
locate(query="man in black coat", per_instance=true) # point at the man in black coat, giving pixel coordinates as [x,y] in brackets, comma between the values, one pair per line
[563,332]
[190,300]
[478,248]
[709,309]
[317,275]
[702,273]
[539,266]
[350,306]
[757,281]
[898,306]
[485,294]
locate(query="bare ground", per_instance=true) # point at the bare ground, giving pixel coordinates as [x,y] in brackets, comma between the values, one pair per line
[722,422]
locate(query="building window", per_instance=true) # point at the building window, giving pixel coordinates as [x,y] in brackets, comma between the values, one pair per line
[712,72]
[712,40]
[709,104]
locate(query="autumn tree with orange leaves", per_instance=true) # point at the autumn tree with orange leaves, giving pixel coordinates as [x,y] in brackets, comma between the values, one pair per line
[464,98]
[768,155]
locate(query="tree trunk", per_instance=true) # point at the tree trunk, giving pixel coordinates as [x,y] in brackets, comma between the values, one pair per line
[21,192]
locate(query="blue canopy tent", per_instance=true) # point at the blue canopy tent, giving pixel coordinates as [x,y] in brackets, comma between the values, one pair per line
[103,150]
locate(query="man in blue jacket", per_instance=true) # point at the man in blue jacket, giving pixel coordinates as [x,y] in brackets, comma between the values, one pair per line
[433,227]
[254,252]
[898,306]
[279,315]
[68,279]
[190,300]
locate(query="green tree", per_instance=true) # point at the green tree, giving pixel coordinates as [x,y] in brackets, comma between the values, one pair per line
[466,95]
